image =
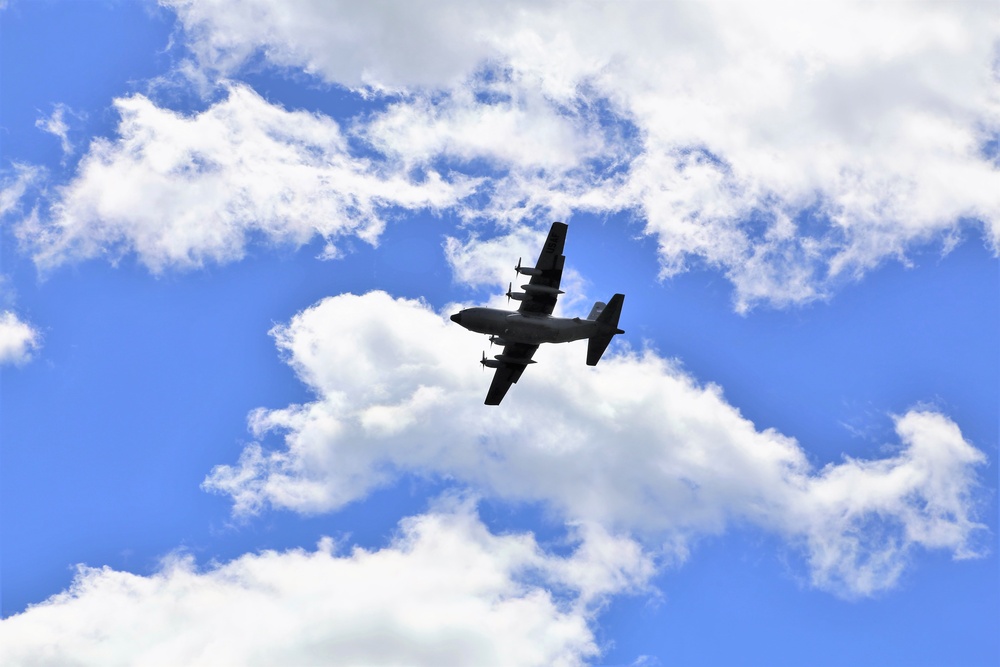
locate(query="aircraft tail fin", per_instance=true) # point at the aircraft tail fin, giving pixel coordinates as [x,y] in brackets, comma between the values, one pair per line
[608,316]
[610,313]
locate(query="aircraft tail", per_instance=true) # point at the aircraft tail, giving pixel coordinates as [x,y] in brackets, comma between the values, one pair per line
[596,310]
[607,315]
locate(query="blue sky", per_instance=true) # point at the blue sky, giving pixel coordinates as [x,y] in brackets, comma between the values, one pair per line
[238,427]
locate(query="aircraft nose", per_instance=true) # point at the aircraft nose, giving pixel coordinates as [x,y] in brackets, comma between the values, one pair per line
[457,318]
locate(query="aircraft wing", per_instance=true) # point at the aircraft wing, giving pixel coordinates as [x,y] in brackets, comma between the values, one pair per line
[516,357]
[542,299]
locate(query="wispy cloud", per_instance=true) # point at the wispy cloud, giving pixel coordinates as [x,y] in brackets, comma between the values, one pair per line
[55,124]
[14,186]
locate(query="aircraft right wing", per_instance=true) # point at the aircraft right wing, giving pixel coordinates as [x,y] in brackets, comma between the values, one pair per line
[514,359]
[542,290]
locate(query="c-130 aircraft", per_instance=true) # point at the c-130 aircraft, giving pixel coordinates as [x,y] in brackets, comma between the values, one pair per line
[521,332]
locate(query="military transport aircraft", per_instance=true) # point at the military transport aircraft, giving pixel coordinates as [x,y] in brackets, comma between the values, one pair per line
[520,333]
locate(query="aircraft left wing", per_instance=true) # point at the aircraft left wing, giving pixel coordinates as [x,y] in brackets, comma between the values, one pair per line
[514,359]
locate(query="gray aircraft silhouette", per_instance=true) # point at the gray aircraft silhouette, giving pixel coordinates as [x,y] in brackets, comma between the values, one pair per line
[521,332]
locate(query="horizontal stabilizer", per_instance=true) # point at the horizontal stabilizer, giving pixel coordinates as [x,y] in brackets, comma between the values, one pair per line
[596,347]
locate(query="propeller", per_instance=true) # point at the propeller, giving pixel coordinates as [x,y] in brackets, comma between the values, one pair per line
[483,361]
[517,269]
[510,288]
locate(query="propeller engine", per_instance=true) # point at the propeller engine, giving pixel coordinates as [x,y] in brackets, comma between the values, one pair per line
[517,296]
[526,270]
[489,363]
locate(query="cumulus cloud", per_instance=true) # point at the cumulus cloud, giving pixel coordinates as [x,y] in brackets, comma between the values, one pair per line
[181,190]
[633,445]
[793,146]
[511,604]
[381,44]
[18,339]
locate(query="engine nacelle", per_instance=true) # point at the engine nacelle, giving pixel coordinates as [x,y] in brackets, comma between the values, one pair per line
[490,363]
[541,289]
[527,270]
[517,296]
[497,340]
[506,358]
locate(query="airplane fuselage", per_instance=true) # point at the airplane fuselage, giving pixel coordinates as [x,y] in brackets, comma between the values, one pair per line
[533,329]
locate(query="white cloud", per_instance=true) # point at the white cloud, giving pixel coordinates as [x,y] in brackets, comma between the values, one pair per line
[633,445]
[547,160]
[488,262]
[18,339]
[383,44]
[920,496]
[794,146]
[445,592]
[56,125]
[458,126]
[180,191]
[14,186]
